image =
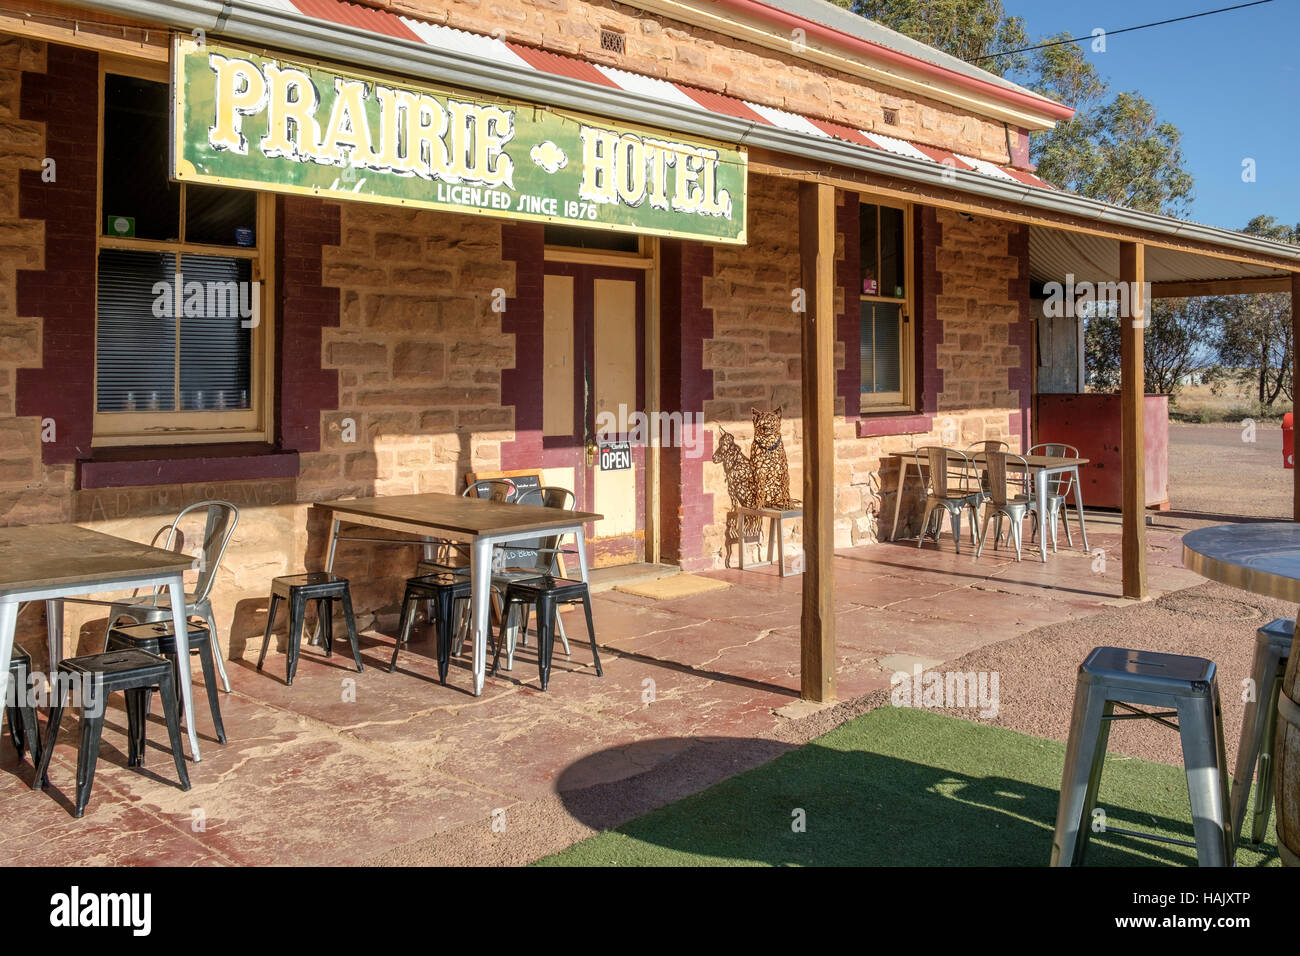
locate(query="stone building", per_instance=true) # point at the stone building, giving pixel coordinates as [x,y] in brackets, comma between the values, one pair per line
[396,334]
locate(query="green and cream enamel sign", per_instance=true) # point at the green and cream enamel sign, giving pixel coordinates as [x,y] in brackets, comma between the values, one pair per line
[265,122]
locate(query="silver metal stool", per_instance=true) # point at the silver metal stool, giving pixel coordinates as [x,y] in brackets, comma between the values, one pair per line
[1272,650]
[1182,687]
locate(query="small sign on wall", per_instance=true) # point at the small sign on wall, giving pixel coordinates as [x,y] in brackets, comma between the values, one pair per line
[615,456]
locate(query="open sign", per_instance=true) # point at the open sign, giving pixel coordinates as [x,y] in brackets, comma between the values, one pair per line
[616,456]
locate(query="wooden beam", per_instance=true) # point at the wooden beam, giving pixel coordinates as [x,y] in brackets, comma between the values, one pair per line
[87,30]
[817,264]
[778,165]
[1132,270]
[1182,290]
[1295,355]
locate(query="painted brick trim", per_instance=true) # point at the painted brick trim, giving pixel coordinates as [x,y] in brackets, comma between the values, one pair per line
[62,294]
[885,425]
[169,465]
[303,228]
[1021,335]
[524,244]
[928,237]
[685,325]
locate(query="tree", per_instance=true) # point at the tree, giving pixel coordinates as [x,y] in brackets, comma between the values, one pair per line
[1179,340]
[1114,149]
[1256,343]
[970,30]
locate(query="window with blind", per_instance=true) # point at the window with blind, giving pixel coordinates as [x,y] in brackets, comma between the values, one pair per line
[180,336]
[884,297]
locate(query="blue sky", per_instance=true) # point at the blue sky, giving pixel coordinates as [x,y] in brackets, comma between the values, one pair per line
[1230,82]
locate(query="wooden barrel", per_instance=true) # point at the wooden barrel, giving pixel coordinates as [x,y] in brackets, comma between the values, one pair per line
[1286,763]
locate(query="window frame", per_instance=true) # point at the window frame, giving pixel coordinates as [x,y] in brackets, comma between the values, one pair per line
[178,427]
[904,400]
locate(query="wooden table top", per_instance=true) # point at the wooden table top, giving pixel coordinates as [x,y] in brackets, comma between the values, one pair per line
[1033,461]
[62,555]
[1260,557]
[472,516]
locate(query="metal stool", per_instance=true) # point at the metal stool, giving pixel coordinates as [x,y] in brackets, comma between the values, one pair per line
[323,588]
[1272,650]
[1183,687]
[24,731]
[160,639]
[137,673]
[547,594]
[442,591]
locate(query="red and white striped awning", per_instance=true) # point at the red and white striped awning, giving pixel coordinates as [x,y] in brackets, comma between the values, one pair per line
[521,57]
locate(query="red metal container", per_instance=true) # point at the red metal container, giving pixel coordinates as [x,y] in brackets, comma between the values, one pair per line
[1288,441]
[1092,424]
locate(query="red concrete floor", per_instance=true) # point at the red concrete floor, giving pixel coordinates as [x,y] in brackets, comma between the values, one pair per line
[344,768]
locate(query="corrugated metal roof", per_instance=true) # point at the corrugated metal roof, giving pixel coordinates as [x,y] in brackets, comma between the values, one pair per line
[1055,254]
[441,55]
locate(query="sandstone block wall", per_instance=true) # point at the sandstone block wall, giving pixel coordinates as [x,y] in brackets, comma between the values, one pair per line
[697,57]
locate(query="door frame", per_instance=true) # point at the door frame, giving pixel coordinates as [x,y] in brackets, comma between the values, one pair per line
[649,259]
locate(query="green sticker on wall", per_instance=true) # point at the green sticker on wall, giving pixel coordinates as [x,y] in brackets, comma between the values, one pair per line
[122,226]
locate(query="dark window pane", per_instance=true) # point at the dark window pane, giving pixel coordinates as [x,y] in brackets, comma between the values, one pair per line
[868,348]
[218,216]
[881,347]
[575,237]
[888,320]
[135,160]
[870,249]
[136,345]
[891,253]
[216,349]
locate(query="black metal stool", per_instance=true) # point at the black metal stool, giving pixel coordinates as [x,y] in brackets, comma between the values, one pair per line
[160,639]
[323,588]
[137,673]
[546,593]
[443,590]
[24,731]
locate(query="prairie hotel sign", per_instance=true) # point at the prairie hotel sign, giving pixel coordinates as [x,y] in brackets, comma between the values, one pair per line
[265,122]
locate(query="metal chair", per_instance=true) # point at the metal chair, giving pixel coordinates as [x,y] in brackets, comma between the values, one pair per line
[546,563]
[1184,688]
[1059,488]
[1258,726]
[498,490]
[222,517]
[1000,503]
[954,489]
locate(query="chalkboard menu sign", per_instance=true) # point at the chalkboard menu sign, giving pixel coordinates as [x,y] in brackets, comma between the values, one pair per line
[516,554]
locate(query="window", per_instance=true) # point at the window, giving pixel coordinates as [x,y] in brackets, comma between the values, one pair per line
[181,334]
[885,296]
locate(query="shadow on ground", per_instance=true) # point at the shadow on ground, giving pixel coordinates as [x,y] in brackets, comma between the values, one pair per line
[840,800]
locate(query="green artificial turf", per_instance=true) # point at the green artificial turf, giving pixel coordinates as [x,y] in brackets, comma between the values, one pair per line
[905,787]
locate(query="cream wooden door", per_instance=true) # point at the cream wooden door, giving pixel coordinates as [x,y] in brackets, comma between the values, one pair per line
[593,397]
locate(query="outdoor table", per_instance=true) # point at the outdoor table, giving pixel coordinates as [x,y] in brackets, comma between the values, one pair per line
[51,562]
[1043,467]
[1263,558]
[478,522]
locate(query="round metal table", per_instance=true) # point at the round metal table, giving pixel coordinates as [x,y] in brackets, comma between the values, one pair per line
[1263,558]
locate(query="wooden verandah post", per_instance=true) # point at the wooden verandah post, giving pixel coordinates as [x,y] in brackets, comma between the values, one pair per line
[817,267]
[1132,272]
[1295,367]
